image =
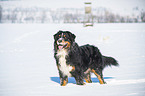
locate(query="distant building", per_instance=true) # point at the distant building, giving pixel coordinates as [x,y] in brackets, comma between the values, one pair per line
[88,19]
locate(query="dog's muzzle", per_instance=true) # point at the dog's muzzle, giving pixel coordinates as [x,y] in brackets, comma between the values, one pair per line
[61,43]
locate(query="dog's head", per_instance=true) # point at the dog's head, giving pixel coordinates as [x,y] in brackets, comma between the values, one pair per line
[64,39]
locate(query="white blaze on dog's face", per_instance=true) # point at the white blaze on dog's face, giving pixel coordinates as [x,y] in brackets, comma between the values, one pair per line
[61,42]
[64,39]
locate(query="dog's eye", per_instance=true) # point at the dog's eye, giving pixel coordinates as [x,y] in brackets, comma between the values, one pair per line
[59,35]
[64,35]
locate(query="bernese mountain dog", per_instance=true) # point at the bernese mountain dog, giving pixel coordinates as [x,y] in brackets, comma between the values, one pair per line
[78,61]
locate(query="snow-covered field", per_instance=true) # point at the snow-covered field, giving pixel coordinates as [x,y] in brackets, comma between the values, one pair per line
[27,66]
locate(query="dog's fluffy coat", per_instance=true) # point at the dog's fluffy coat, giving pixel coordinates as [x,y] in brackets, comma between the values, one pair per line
[78,61]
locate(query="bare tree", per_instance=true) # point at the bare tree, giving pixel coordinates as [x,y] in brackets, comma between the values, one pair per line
[0,14]
[143,16]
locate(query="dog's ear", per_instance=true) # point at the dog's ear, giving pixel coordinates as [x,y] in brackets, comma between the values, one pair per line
[57,34]
[54,35]
[72,35]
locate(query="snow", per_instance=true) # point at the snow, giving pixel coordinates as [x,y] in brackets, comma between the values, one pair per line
[27,65]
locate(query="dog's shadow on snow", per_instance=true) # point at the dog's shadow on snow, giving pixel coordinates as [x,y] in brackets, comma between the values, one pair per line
[72,79]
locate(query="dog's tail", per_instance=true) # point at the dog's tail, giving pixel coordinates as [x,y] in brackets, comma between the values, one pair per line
[109,61]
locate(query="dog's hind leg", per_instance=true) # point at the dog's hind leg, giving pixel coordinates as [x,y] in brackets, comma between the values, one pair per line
[99,76]
[87,76]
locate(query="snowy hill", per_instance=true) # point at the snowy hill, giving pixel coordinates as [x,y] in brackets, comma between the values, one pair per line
[27,65]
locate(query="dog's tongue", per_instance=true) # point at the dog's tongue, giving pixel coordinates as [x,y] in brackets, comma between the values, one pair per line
[60,47]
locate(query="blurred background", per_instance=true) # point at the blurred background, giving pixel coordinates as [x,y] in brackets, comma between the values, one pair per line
[71,11]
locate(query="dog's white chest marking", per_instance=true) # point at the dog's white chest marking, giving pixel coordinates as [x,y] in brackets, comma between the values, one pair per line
[62,61]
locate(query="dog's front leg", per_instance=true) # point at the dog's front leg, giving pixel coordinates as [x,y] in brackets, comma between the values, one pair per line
[63,79]
[79,79]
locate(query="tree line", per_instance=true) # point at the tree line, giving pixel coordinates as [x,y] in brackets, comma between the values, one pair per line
[65,15]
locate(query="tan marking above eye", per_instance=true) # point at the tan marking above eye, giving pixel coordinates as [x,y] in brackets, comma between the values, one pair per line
[64,35]
[59,35]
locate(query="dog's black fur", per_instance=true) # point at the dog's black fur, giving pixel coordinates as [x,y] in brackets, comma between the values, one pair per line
[78,61]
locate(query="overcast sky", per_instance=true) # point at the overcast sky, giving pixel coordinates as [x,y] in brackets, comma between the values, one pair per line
[80,3]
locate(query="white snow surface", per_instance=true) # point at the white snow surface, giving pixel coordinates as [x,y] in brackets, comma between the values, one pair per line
[28,68]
